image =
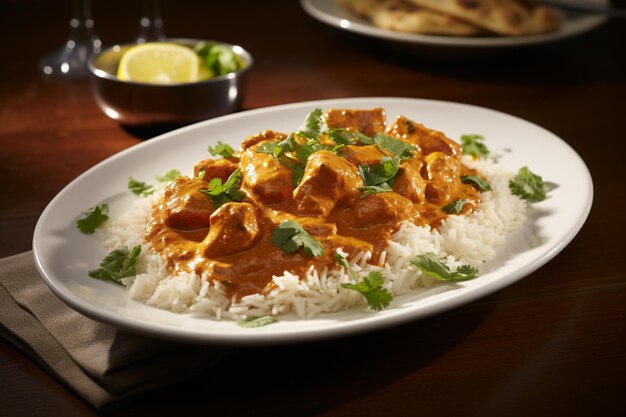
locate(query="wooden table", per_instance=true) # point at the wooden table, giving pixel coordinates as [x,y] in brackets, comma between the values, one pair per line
[553,344]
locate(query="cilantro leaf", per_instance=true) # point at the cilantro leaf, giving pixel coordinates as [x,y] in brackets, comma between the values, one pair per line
[344,262]
[400,149]
[454,207]
[139,187]
[290,236]
[377,297]
[375,189]
[222,149]
[118,264]
[477,182]
[221,194]
[267,147]
[429,264]
[473,146]
[380,177]
[94,217]
[312,126]
[528,186]
[170,175]
[379,173]
[256,321]
[218,59]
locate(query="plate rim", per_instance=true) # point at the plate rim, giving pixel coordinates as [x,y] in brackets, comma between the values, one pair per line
[593,20]
[339,329]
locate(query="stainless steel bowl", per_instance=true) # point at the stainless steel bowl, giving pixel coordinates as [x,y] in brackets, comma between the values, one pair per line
[142,104]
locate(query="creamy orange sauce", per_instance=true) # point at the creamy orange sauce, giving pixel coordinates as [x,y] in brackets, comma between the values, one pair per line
[233,243]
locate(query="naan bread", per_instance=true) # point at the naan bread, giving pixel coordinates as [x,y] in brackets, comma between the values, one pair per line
[401,16]
[504,17]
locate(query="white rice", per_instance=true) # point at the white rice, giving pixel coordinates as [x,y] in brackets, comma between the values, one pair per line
[469,239]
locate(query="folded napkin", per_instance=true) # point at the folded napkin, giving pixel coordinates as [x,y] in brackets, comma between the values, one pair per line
[102,364]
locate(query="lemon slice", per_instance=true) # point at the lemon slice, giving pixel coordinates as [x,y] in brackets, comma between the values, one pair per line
[159,63]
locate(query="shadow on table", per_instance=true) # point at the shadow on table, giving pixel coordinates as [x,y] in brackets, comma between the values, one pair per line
[308,379]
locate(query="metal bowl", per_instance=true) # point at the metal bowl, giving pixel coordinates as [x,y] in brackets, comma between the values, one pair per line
[143,104]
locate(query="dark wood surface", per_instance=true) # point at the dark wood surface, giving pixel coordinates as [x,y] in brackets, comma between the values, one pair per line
[552,344]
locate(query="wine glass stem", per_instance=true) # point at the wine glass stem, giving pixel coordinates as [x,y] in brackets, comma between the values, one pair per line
[151,23]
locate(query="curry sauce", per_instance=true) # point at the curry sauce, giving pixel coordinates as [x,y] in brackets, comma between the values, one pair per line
[233,242]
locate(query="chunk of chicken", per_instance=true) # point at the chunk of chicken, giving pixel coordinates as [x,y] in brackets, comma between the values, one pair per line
[443,176]
[264,136]
[427,140]
[264,178]
[362,155]
[234,227]
[186,208]
[383,208]
[409,182]
[368,122]
[327,181]
[216,168]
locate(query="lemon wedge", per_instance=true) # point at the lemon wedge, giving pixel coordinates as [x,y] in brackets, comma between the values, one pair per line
[159,63]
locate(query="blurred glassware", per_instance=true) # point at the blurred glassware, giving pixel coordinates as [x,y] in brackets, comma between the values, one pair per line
[70,61]
[151,22]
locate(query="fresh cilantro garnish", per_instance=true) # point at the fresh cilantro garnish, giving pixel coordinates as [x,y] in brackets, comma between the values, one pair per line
[222,149]
[347,137]
[118,264]
[94,217]
[477,182]
[256,321]
[312,126]
[218,59]
[139,187]
[305,150]
[429,264]
[170,175]
[302,152]
[290,236]
[473,146]
[371,287]
[528,186]
[380,177]
[375,189]
[221,194]
[401,149]
[454,207]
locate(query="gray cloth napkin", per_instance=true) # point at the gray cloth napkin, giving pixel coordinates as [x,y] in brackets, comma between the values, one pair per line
[102,364]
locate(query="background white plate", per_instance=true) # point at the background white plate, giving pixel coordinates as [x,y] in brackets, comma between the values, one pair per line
[63,255]
[329,12]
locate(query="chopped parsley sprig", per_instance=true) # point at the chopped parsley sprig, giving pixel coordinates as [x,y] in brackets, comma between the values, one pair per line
[473,146]
[455,207]
[371,286]
[140,188]
[291,236]
[379,177]
[529,186]
[168,176]
[118,264]
[144,189]
[477,182]
[222,193]
[222,149]
[429,264]
[94,217]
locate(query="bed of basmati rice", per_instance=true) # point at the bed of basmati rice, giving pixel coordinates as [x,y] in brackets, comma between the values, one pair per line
[470,239]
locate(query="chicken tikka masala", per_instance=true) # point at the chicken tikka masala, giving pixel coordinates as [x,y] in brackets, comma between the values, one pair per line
[346,178]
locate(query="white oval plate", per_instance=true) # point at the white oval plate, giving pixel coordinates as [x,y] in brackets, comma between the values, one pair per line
[63,255]
[331,13]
